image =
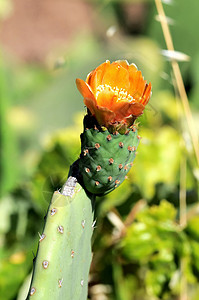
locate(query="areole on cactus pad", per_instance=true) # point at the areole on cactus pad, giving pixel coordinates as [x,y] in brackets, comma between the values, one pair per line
[115,95]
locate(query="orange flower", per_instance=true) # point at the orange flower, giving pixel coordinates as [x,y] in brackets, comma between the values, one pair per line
[115,92]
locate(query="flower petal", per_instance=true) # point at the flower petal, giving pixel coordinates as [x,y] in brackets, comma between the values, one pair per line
[132,68]
[121,108]
[90,104]
[136,109]
[137,82]
[116,76]
[132,73]
[94,79]
[106,99]
[84,89]
[125,109]
[123,63]
[104,115]
[146,94]
[137,85]
[106,92]
[89,98]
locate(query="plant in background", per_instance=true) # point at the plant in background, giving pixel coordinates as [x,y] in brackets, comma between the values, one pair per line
[115,95]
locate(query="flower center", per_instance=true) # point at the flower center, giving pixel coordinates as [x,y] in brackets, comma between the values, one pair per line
[121,94]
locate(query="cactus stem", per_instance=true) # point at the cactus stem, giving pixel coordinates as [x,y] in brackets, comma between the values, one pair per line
[121,145]
[64,257]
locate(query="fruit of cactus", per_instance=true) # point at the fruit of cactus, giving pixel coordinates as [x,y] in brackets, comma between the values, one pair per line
[106,158]
[115,95]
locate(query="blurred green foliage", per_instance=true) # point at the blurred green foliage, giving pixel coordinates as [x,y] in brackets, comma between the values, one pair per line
[140,250]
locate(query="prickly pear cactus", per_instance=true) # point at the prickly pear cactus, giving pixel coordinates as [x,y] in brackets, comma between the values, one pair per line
[106,158]
[115,95]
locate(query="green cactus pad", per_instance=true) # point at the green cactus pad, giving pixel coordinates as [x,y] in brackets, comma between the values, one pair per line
[64,255]
[106,158]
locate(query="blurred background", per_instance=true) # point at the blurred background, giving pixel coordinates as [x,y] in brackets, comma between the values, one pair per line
[147,231]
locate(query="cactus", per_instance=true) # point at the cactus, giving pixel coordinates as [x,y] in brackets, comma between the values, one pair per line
[115,95]
[64,254]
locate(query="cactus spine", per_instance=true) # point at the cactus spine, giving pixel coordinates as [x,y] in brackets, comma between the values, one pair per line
[64,254]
